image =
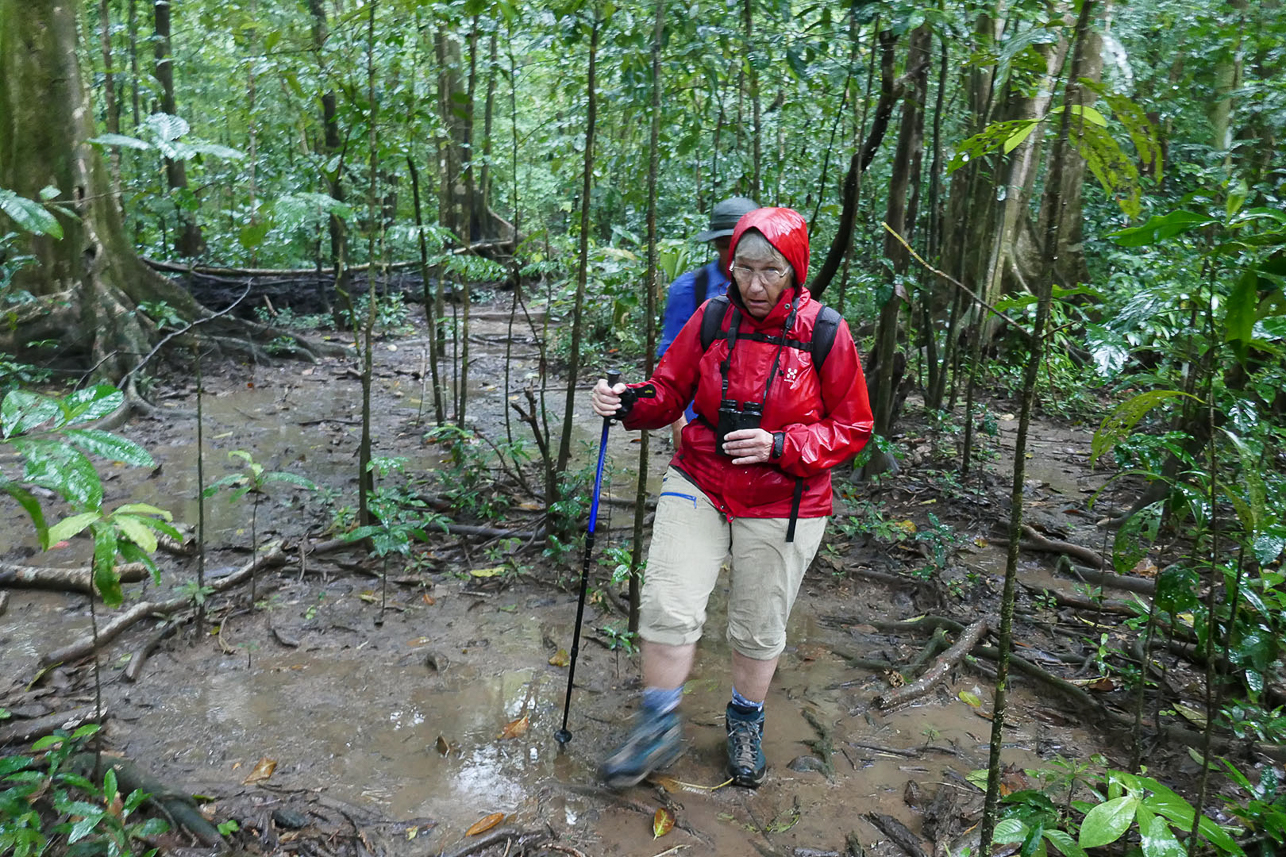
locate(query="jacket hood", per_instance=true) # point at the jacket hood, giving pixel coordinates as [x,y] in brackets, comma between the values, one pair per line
[785,230]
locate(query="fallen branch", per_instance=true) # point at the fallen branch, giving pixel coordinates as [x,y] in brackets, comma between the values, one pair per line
[897,832]
[113,629]
[493,837]
[936,673]
[62,579]
[38,727]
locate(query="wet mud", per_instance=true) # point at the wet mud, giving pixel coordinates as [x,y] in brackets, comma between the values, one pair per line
[404,719]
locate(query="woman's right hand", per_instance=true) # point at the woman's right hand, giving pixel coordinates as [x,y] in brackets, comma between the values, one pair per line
[606,400]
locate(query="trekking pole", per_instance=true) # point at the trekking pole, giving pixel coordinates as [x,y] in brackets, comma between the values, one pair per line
[562,736]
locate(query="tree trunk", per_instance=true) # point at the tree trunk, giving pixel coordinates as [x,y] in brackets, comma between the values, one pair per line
[88,283]
[112,111]
[188,240]
[330,149]
[858,164]
[906,161]
[582,266]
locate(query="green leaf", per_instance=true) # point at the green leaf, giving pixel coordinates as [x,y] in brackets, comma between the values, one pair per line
[68,527]
[1121,421]
[61,468]
[216,151]
[93,403]
[1160,227]
[23,412]
[28,501]
[136,531]
[1063,841]
[1108,821]
[29,215]
[1236,197]
[106,580]
[1242,308]
[112,447]
[166,127]
[109,785]
[291,478]
[143,509]
[1134,538]
[1008,831]
[49,192]
[121,140]
[85,826]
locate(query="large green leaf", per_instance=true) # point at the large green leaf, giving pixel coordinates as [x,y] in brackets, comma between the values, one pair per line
[136,531]
[112,447]
[29,215]
[23,411]
[106,580]
[1121,421]
[93,403]
[1157,839]
[120,140]
[1063,841]
[60,467]
[1160,227]
[1108,821]
[68,527]
[28,501]
[1241,309]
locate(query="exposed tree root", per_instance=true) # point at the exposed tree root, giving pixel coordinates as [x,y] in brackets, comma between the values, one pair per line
[1034,541]
[898,833]
[1141,585]
[62,579]
[1079,602]
[38,727]
[141,654]
[173,803]
[85,645]
[936,673]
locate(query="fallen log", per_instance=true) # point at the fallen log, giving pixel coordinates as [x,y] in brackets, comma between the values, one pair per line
[62,579]
[38,727]
[936,673]
[113,629]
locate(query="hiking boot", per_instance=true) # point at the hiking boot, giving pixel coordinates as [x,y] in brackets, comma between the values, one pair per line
[746,762]
[655,741]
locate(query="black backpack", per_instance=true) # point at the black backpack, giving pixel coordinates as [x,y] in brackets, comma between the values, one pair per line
[819,346]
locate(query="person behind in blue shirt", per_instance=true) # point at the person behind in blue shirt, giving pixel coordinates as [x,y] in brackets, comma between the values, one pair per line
[694,288]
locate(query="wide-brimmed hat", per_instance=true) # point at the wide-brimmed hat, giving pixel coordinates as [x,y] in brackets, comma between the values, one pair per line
[723,220]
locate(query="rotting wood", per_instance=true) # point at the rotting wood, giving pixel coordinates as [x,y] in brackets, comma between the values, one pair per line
[62,579]
[85,645]
[26,730]
[936,673]
[898,833]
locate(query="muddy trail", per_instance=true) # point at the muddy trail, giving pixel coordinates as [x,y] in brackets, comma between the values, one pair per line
[325,725]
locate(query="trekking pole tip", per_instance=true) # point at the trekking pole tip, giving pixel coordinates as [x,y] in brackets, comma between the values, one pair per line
[563,736]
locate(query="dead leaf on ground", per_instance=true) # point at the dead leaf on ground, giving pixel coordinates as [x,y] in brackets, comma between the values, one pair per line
[560,659]
[812,653]
[1102,685]
[662,822]
[514,729]
[263,770]
[429,599]
[894,678]
[488,572]
[1145,568]
[485,824]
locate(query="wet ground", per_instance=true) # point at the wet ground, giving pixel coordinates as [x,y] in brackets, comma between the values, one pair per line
[404,721]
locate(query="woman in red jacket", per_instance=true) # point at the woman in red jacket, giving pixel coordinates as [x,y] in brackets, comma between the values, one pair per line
[752,478]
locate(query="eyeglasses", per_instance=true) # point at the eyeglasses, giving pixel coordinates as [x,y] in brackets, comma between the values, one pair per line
[768,276]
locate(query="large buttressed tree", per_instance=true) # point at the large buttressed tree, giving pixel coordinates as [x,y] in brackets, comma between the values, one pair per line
[87,283]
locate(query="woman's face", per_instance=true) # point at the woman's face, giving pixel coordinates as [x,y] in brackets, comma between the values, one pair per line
[761,282]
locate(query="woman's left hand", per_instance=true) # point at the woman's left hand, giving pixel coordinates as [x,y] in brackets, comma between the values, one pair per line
[748,446]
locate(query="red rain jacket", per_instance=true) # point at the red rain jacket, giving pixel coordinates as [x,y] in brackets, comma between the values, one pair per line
[825,420]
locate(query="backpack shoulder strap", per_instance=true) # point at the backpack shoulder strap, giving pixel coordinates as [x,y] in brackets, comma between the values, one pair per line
[712,320]
[824,329]
[701,285]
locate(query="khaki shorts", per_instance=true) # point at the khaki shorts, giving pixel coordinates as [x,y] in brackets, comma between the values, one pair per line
[690,540]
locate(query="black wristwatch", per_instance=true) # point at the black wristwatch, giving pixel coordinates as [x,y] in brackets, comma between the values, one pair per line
[778,444]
